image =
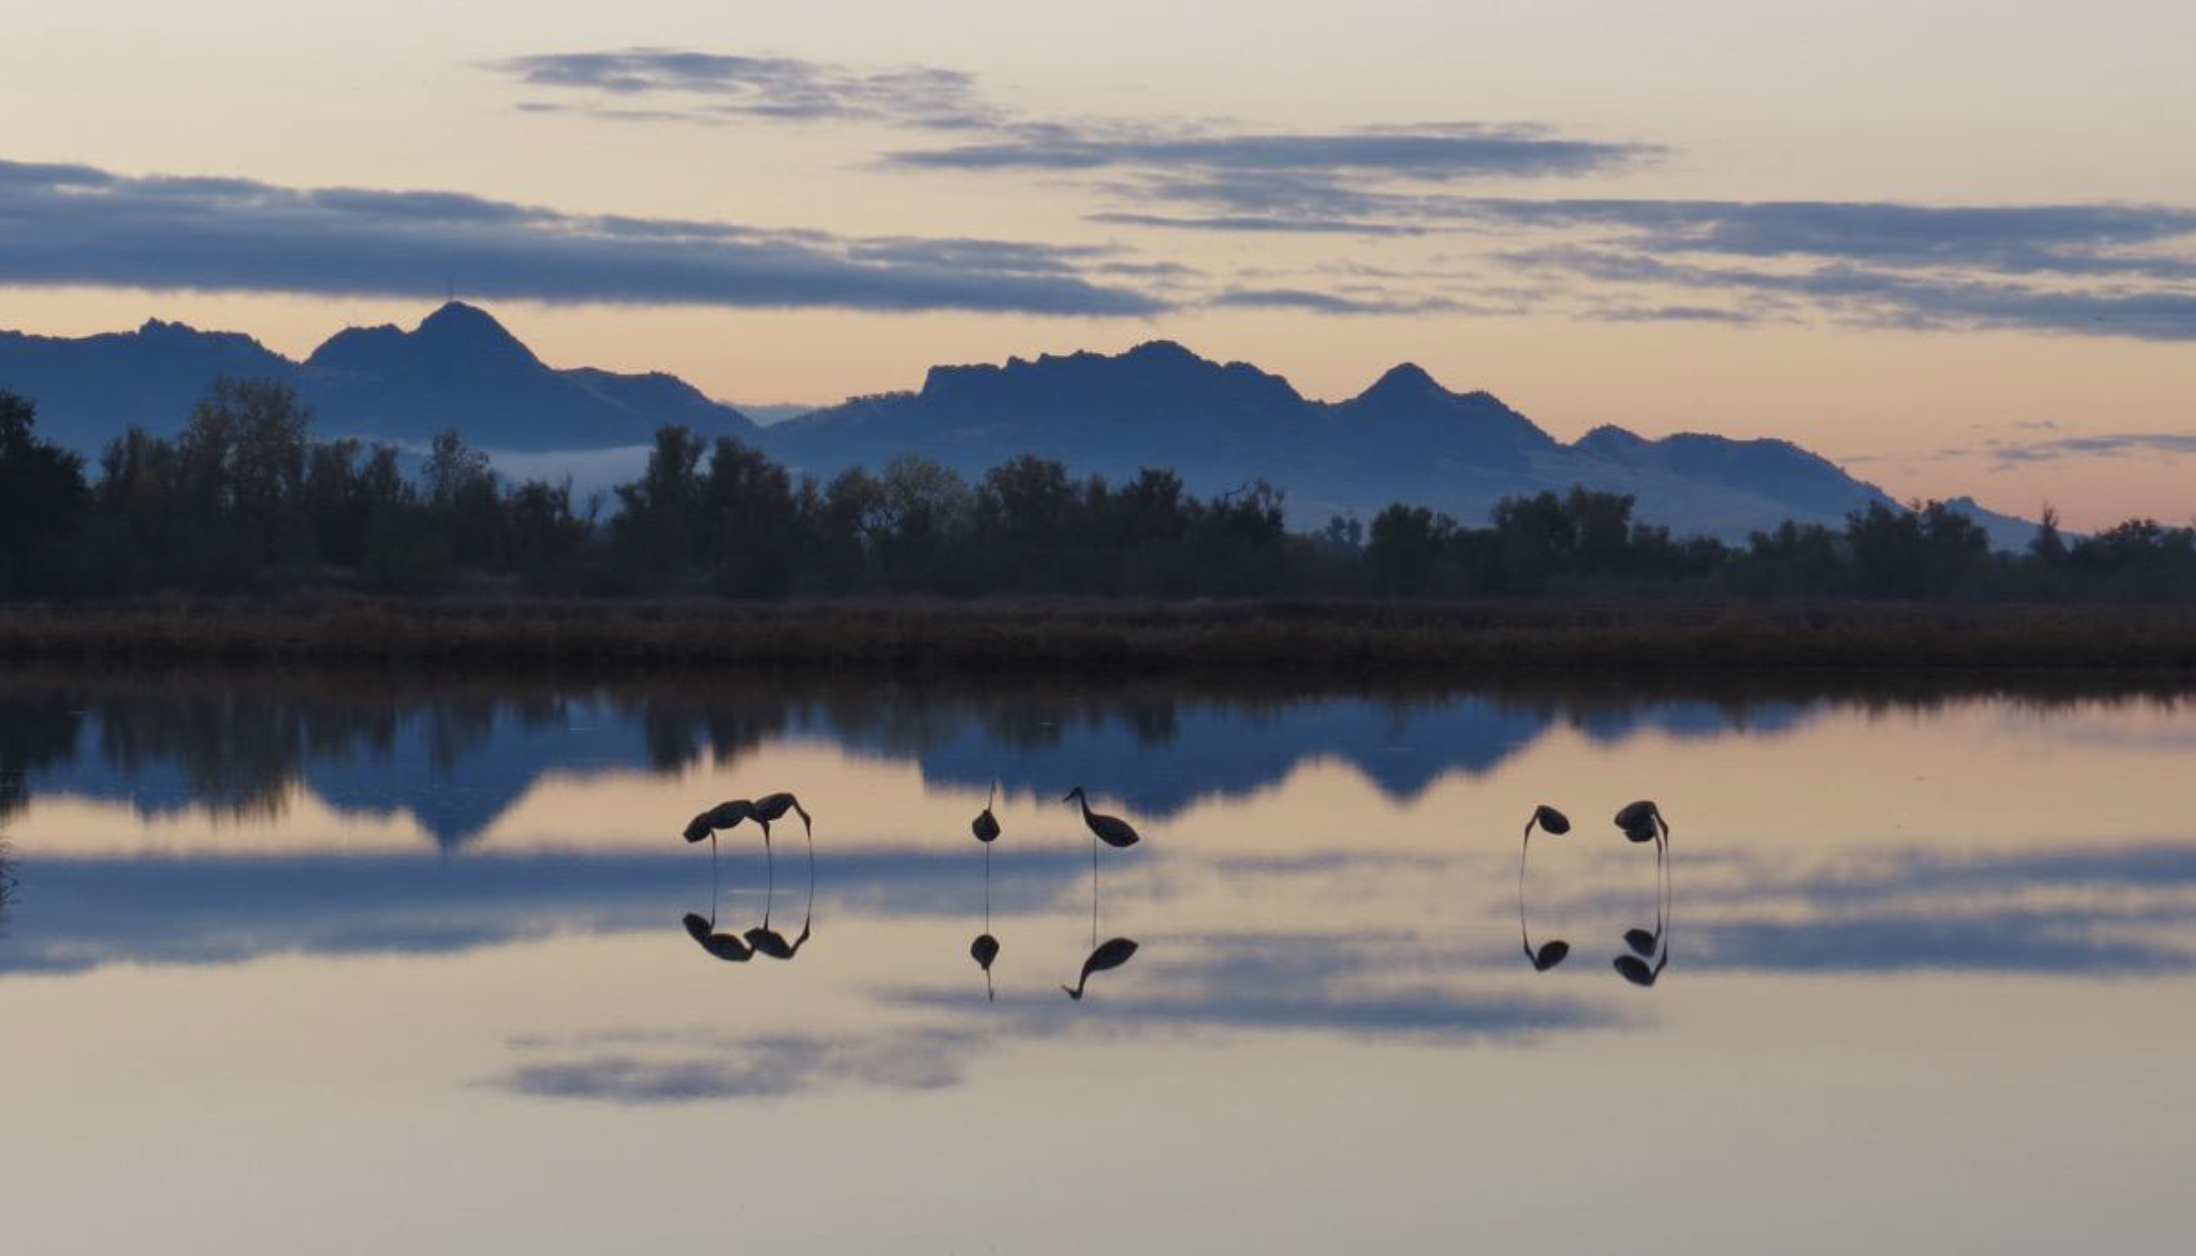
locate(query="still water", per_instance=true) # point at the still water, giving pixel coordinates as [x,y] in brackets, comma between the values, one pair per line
[310,963]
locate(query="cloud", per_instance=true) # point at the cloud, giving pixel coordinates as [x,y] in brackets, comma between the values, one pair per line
[1450,152]
[1884,297]
[79,225]
[2108,445]
[717,86]
[1333,302]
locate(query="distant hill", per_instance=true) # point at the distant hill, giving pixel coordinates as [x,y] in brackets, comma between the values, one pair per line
[458,369]
[1405,438]
[1219,425]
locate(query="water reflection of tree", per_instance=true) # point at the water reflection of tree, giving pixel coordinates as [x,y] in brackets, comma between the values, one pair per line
[240,742]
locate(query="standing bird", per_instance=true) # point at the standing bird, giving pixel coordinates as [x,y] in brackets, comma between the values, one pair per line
[1112,830]
[1113,954]
[1555,950]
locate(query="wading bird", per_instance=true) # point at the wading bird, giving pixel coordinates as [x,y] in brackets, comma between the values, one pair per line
[1555,950]
[771,807]
[1113,954]
[986,826]
[1642,822]
[1112,830]
[725,815]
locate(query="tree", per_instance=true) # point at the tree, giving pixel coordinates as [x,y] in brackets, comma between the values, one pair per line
[41,493]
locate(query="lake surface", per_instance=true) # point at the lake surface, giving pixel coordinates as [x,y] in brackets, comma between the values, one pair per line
[310,963]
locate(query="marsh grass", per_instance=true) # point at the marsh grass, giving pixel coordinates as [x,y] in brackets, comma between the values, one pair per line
[1289,640]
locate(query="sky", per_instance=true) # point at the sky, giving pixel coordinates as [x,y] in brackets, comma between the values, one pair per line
[1951,245]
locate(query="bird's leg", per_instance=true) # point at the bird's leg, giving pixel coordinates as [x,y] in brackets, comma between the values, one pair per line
[1522,937]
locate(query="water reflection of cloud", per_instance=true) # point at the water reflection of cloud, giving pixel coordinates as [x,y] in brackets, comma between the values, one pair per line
[691,1067]
[1215,986]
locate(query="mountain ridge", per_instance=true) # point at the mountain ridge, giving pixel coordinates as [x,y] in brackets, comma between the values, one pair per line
[1404,437]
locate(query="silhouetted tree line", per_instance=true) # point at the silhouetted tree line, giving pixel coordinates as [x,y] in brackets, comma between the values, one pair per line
[246,499]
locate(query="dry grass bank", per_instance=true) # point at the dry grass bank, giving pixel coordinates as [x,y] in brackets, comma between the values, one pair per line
[1275,640]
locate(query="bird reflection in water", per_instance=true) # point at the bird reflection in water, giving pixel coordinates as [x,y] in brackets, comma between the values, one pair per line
[985,949]
[1114,952]
[725,946]
[1642,822]
[762,939]
[1555,950]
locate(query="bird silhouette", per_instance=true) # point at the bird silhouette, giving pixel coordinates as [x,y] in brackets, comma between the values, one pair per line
[1112,830]
[767,941]
[722,945]
[1555,950]
[986,825]
[725,815]
[984,950]
[1642,822]
[771,807]
[1114,953]
[1636,971]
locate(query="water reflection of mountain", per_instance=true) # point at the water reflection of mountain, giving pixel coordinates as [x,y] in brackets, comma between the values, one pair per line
[456,754]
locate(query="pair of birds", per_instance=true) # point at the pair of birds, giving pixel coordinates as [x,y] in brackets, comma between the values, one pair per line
[762,939]
[1113,831]
[1640,822]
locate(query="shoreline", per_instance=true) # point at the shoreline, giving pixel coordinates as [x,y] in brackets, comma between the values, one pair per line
[1279,641]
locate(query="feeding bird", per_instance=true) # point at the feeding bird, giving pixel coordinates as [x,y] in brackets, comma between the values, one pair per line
[725,815]
[772,807]
[1642,822]
[1113,954]
[1555,950]
[986,825]
[1649,944]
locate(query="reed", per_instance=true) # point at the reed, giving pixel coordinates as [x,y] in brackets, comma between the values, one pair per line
[1284,639]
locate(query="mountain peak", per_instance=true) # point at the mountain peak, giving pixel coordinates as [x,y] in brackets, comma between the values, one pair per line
[1405,380]
[1161,351]
[459,323]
